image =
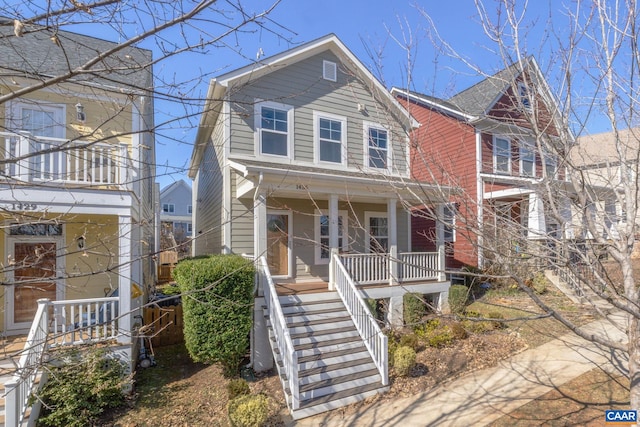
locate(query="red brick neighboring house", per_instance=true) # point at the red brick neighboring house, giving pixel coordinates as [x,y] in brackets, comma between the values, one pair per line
[483,141]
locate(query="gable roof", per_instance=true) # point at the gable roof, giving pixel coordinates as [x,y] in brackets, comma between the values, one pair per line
[219,85]
[176,185]
[35,54]
[606,149]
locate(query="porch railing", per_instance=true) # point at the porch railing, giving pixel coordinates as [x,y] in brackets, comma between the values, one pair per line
[30,158]
[366,269]
[56,323]
[283,339]
[367,326]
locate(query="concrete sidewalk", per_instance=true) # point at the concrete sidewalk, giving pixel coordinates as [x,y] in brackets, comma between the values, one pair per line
[484,396]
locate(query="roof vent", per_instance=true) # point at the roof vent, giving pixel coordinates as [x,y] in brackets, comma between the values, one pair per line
[329,71]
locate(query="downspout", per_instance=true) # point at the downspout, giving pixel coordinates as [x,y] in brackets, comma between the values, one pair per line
[252,337]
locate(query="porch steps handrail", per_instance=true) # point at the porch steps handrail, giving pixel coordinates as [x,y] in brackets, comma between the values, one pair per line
[18,389]
[375,341]
[281,333]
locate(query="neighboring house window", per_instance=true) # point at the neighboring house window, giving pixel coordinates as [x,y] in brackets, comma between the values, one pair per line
[40,120]
[551,164]
[501,155]
[189,228]
[527,160]
[189,209]
[168,208]
[449,220]
[274,128]
[329,71]
[377,147]
[330,131]
[378,231]
[525,95]
[323,252]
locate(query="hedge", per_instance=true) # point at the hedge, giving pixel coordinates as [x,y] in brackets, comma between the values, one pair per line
[217,300]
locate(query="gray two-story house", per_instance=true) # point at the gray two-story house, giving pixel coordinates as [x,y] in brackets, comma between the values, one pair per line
[301,163]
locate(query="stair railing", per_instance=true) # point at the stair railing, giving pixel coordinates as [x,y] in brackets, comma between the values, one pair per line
[367,326]
[283,339]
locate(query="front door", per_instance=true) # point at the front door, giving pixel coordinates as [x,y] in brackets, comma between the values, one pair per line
[278,243]
[34,277]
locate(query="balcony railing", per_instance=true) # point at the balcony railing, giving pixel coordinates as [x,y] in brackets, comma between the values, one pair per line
[29,158]
[368,269]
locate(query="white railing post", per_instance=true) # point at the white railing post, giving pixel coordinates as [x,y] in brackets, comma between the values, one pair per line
[22,166]
[11,402]
[332,274]
[442,275]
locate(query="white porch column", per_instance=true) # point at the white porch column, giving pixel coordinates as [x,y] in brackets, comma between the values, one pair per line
[392,229]
[333,236]
[260,228]
[537,226]
[442,275]
[124,279]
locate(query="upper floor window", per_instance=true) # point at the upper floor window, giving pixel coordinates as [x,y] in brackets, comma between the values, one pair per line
[377,147]
[190,209]
[46,120]
[551,165]
[274,128]
[501,155]
[168,207]
[524,94]
[329,134]
[527,160]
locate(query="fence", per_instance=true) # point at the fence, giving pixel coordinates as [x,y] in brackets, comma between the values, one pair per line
[164,325]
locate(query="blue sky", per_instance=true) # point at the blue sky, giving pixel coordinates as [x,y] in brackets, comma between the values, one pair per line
[369,28]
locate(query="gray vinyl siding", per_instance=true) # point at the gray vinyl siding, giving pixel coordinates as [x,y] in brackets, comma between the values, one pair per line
[207,229]
[301,86]
[242,237]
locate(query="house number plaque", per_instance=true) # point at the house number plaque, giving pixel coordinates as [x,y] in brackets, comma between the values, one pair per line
[22,206]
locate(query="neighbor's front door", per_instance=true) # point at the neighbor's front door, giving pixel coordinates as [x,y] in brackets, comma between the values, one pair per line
[34,274]
[278,243]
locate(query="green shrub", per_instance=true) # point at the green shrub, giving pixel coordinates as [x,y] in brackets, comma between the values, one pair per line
[372,304]
[538,283]
[426,329]
[392,344]
[495,322]
[248,410]
[237,387]
[410,340]
[441,338]
[404,359]
[81,388]
[217,301]
[458,295]
[414,308]
[458,332]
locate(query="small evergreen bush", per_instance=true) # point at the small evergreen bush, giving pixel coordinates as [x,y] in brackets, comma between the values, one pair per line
[248,410]
[81,387]
[410,340]
[458,332]
[217,301]
[404,359]
[237,387]
[372,304]
[495,317]
[427,328]
[440,338]
[458,295]
[414,308]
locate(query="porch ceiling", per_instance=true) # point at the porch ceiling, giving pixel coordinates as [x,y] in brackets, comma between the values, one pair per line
[302,182]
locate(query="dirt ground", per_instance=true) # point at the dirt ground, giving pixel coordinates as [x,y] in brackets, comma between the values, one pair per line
[178,392]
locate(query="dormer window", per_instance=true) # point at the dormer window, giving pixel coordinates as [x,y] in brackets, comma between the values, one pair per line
[524,94]
[329,71]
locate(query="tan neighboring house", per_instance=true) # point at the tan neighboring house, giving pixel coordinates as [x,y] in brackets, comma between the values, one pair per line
[301,163]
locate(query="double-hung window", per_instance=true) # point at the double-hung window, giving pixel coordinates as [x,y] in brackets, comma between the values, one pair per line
[377,146]
[168,207]
[378,230]
[330,133]
[189,209]
[449,222]
[527,160]
[501,155]
[323,251]
[274,128]
[551,164]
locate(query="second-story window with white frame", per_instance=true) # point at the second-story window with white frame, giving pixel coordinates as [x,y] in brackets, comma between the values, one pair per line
[501,154]
[377,146]
[39,119]
[551,166]
[527,159]
[274,127]
[168,208]
[329,135]
[323,251]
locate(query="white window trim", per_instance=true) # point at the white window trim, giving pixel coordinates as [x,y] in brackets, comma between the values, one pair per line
[317,115]
[365,134]
[290,265]
[522,86]
[551,159]
[527,145]
[367,216]
[495,154]
[169,208]
[452,208]
[14,109]
[326,76]
[257,120]
[345,234]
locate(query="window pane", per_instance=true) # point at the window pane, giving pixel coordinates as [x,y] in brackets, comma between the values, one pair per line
[527,168]
[377,158]
[274,143]
[40,123]
[274,119]
[330,152]
[377,138]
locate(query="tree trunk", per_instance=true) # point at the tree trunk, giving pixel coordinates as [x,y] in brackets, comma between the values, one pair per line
[634,362]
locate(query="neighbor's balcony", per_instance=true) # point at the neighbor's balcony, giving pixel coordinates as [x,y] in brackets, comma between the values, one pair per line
[381,268]
[28,158]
